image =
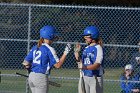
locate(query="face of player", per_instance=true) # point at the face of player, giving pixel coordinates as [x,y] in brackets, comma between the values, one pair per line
[128,71]
[88,40]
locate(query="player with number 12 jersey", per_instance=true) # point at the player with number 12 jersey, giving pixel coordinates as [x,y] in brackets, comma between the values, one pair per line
[43,58]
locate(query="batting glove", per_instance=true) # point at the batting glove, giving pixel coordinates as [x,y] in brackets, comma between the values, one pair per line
[67,49]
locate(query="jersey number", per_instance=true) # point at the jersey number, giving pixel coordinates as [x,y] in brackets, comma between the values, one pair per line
[36,56]
[86,61]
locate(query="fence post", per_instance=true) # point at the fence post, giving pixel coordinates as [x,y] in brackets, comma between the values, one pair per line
[28,47]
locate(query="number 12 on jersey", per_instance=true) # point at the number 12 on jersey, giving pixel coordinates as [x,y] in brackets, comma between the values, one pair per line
[36,57]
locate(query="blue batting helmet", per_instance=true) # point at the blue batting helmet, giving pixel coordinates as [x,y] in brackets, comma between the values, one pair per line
[92,31]
[48,32]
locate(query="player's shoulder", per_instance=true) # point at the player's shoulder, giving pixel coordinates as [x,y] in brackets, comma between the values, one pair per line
[98,47]
[51,49]
[86,47]
[94,47]
[33,48]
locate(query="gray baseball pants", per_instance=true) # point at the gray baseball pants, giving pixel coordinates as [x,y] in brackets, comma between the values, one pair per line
[38,82]
[93,84]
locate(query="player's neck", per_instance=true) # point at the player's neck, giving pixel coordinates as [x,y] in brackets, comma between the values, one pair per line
[92,44]
[49,42]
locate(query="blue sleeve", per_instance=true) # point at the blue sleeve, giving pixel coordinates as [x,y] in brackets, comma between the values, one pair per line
[53,58]
[29,57]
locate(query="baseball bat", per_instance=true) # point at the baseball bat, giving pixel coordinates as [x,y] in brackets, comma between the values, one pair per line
[81,84]
[50,82]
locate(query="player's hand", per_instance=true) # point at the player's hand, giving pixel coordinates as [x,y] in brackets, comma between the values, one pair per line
[67,49]
[80,65]
[26,64]
[77,48]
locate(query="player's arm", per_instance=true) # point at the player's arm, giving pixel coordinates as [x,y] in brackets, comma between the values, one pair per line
[92,67]
[61,61]
[26,63]
[77,49]
[63,57]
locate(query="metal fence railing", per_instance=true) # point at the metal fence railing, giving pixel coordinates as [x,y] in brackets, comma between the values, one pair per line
[19,31]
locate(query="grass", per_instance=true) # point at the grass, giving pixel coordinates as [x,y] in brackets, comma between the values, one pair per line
[18,84]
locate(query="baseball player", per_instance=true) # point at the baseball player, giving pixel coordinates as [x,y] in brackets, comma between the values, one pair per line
[126,80]
[42,58]
[91,62]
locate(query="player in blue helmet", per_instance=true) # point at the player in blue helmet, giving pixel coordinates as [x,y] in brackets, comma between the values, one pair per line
[42,58]
[91,62]
[91,31]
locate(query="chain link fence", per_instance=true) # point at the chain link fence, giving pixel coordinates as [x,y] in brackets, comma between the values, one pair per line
[19,31]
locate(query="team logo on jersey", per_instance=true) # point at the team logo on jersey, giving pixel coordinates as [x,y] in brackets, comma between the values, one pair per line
[90,55]
[84,53]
